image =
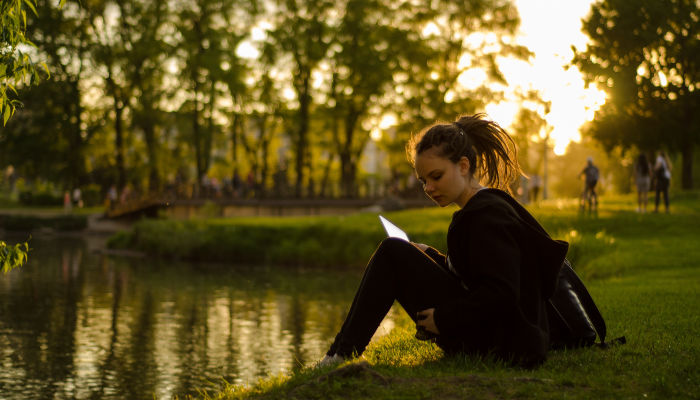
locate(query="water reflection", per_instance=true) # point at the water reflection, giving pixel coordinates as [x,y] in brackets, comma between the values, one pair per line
[77,324]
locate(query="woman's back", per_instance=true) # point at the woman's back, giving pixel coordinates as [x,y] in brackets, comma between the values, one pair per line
[641,167]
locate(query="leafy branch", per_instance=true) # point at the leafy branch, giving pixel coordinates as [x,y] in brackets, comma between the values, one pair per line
[16,65]
[12,257]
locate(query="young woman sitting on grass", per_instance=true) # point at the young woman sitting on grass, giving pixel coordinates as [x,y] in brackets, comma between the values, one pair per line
[487,295]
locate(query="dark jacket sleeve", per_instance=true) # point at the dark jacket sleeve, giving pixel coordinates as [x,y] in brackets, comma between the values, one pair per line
[438,257]
[490,267]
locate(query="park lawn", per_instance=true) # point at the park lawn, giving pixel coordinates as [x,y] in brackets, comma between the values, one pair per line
[642,270]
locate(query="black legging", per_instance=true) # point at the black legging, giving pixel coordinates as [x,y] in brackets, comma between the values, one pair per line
[662,184]
[397,271]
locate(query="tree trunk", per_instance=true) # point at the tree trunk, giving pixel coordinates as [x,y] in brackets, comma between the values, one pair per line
[77,143]
[264,148]
[234,145]
[687,167]
[197,142]
[326,175]
[209,136]
[150,138]
[304,100]
[119,144]
[348,163]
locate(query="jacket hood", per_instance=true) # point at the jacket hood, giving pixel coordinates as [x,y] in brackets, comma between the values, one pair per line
[551,253]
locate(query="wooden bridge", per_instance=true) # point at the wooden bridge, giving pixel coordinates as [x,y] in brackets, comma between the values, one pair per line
[147,206]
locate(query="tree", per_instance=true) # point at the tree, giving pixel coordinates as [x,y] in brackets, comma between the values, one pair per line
[16,64]
[62,34]
[366,53]
[455,37]
[39,128]
[201,26]
[302,34]
[15,67]
[646,55]
[108,55]
[144,52]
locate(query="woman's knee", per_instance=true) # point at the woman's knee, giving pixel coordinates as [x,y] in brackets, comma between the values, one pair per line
[395,247]
[390,253]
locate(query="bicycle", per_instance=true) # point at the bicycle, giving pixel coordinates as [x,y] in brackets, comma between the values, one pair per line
[589,198]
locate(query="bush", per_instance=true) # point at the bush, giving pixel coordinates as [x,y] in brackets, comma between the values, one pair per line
[21,222]
[120,240]
[314,243]
[68,222]
[42,199]
[92,195]
[27,222]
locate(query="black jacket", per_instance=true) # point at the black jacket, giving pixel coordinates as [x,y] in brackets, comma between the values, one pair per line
[509,265]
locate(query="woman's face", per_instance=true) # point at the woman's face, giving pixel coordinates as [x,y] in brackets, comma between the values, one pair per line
[443,181]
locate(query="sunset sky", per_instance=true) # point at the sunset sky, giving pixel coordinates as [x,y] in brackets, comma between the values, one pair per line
[549,28]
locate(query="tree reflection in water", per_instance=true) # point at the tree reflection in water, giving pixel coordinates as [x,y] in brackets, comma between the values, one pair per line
[78,324]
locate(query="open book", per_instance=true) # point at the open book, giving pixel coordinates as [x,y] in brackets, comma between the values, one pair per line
[393,230]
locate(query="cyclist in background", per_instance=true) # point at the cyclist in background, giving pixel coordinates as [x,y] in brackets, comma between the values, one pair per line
[591,174]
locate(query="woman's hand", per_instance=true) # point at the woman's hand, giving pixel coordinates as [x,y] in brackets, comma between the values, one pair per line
[421,246]
[426,321]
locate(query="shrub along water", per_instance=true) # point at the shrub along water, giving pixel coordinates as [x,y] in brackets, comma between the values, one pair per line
[25,223]
[642,270]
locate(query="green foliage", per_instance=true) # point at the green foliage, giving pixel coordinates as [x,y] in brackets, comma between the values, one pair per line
[645,55]
[46,127]
[24,223]
[54,122]
[69,222]
[643,270]
[144,90]
[312,242]
[12,257]
[92,195]
[16,65]
[30,198]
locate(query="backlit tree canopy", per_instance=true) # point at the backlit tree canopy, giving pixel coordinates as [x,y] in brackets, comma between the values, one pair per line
[646,55]
[155,93]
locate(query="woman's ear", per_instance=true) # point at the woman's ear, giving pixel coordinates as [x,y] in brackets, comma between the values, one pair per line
[464,166]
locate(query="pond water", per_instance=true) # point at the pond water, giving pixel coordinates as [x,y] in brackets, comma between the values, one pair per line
[76,323]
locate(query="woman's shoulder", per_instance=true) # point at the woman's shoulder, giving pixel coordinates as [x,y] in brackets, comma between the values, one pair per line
[488,205]
[490,198]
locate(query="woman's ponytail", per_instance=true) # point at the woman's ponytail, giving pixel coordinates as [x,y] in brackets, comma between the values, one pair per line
[490,150]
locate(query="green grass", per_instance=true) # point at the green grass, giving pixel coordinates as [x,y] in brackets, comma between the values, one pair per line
[642,270]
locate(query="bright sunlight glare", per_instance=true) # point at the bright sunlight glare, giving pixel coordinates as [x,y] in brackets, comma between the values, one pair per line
[246,50]
[572,104]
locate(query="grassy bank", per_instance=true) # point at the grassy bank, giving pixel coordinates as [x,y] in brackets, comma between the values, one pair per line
[347,241]
[643,271]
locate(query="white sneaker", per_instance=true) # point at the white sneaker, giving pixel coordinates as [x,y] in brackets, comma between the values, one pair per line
[328,361]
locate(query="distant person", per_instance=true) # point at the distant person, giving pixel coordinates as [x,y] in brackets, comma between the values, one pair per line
[662,177]
[535,187]
[523,189]
[591,175]
[236,183]
[126,194]
[642,179]
[67,204]
[112,197]
[77,198]
[488,295]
